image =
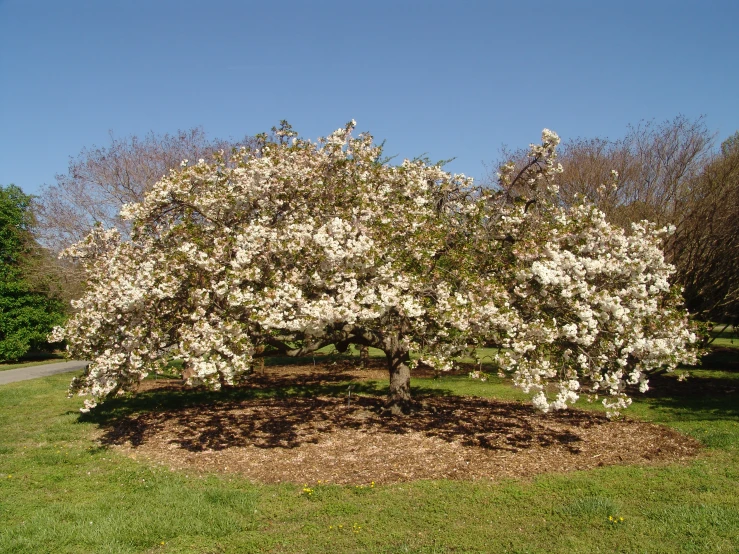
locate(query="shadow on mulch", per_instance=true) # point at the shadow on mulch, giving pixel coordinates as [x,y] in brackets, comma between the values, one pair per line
[301,424]
[290,422]
[286,410]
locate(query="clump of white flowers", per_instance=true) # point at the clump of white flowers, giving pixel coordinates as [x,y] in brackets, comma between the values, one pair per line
[297,245]
[596,308]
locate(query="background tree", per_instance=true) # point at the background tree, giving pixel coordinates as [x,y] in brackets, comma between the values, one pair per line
[28,308]
[705,247]
[655,166]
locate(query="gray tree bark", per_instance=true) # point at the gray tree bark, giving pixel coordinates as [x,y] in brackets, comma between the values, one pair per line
[399,399]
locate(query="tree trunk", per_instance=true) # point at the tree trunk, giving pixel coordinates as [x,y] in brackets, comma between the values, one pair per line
[399,399]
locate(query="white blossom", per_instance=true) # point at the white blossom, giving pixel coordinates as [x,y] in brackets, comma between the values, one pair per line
[312,244]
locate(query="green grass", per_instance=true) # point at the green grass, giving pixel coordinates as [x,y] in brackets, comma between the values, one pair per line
[32,360]
[62,493]
[329,352]
[726,336]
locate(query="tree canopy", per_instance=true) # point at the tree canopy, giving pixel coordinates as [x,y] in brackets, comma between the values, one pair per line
[27,311]
[705,248]
[15,225]
[100,180]
[293,245]
[668,173]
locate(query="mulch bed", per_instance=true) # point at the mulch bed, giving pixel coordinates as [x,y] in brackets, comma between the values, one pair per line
[307,439]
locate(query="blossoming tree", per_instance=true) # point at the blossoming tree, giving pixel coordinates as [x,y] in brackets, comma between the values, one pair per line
[295,245]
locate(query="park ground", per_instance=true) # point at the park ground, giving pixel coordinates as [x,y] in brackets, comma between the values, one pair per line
[302,459]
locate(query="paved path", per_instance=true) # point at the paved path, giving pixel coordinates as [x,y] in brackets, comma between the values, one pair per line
[31,372]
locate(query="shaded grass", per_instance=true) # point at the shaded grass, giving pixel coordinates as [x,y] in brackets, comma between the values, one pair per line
[329,353]
[32,359]
[727,337]
[61,492]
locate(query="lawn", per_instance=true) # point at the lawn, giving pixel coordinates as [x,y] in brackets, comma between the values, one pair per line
[62,490]
[41,358]
[725,336]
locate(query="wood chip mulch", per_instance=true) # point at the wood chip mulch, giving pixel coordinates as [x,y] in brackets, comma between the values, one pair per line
[307,439]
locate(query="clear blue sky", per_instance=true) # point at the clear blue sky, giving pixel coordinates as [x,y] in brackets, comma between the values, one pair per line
[450,79]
